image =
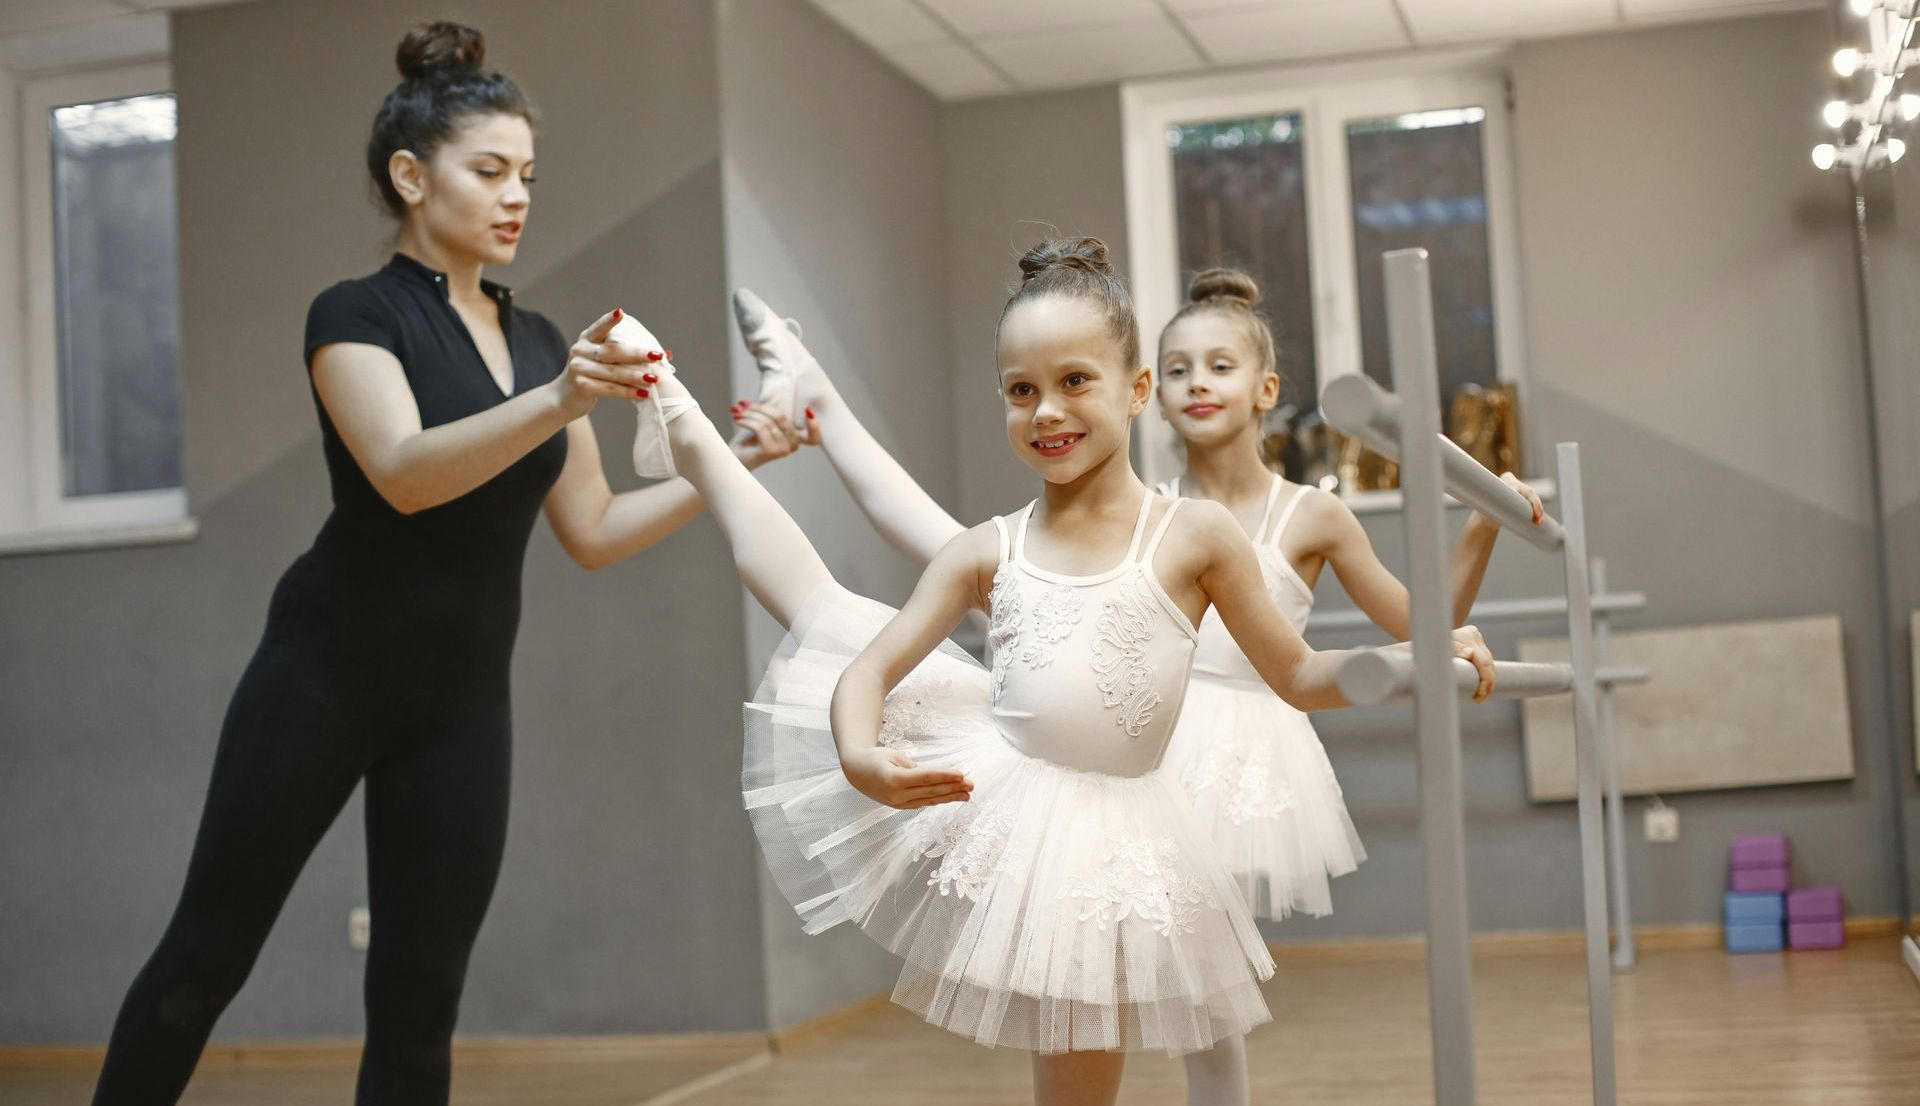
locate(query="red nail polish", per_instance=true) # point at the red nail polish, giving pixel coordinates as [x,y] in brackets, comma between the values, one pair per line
[651,378]
[616,314]
[642,391]
[810,412]
[654,355]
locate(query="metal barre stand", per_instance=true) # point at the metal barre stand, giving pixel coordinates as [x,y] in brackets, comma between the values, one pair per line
[1404,426]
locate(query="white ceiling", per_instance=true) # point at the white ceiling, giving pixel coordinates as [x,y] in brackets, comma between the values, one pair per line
[22,16]
[961,49]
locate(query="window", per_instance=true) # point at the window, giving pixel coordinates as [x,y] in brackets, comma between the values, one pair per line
[1304,178]
[98,433]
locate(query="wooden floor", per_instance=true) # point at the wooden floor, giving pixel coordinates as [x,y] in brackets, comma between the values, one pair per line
[1696,1027]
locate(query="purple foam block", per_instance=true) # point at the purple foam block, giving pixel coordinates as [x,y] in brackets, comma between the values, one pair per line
[1759,850]
[1758,879]
[1814,904]
[1816,935]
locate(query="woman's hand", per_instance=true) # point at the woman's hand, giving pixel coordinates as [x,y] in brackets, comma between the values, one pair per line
[1526,492]
[889,777]
[764,435]
[599,367]
[1468,645]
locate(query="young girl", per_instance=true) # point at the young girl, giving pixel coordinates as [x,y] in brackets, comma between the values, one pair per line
[1251,763]
[1003,830]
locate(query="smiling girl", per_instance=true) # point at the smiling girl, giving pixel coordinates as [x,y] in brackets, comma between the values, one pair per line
[1003,829]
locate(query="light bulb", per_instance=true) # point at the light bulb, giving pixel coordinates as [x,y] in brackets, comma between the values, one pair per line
[1896,149]
[1846,62]
[1835,113]
[1909,107]
[1862,7]
[1824,155]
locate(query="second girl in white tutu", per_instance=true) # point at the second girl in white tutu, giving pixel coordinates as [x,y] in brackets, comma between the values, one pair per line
[1003,830]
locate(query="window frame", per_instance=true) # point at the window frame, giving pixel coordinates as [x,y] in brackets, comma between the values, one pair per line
[1325,96]
[39,515]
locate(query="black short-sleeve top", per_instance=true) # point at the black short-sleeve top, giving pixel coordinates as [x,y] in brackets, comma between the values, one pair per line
[451,570]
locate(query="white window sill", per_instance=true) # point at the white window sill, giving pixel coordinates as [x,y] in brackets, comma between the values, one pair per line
[100,537]
[1388,499]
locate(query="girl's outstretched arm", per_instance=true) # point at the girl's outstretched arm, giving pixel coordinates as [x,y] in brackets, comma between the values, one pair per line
[949,588]
[1229,577]
[1377,591]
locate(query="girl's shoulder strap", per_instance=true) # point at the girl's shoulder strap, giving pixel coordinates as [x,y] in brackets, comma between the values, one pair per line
[1286,513]
[1160,531]
[1006,538]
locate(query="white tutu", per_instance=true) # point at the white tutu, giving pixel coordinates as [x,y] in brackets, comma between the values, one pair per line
[1262,785]
[1056,910]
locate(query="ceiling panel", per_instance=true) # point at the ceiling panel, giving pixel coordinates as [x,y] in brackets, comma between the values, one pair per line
[975,18]
[1062,59]
[1448,20]
[948,70]
[1279,32]
[38,15]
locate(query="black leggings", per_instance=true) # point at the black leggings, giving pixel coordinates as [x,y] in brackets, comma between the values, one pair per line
[293,747]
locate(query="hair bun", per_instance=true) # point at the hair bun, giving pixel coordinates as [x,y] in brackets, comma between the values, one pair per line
[436,49]
[1086,254]
[1228,285]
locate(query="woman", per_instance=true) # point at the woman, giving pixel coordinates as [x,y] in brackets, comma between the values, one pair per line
[387,647]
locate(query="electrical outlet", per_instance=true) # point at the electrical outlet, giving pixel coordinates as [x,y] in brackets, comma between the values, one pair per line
[1663,824]
[359,929]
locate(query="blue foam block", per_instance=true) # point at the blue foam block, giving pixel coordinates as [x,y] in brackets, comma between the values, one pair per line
[1743,907]
[1767,937]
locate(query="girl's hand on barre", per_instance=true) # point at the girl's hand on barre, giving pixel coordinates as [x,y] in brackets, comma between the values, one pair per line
[1526,492]
[1469,646]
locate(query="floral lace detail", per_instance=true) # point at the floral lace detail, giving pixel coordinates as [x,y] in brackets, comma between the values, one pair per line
[1247,789]
[1054,617]
[911,709]
[1141,876]
[1003,625]
[1125,679]
[969,846]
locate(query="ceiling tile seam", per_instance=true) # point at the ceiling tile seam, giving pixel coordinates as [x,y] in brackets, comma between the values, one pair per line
[1406,25]
[966,43]
[1181,26]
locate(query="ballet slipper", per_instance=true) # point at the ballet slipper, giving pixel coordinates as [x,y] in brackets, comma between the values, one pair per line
[776,348]
[652,455]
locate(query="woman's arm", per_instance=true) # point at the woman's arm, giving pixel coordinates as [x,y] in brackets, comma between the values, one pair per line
[598,528]
[1230,578]
[1378,592]
[365,393]
[947,591]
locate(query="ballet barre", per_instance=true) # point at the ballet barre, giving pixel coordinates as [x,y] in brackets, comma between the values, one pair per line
[1377,677]
[1605,605]
[1498,610]
[1404,426]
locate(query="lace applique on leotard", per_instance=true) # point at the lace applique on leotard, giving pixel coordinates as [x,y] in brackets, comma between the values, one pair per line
[1003,625]
[1119,658]
[1055,614]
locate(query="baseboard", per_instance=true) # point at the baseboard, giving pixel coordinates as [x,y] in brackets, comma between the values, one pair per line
[478,1051]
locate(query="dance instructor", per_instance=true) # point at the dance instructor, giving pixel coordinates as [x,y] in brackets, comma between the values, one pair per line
[449,417]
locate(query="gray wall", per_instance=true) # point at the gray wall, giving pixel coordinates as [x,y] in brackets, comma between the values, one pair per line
[628,892]
[1692,323]
[827,198]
